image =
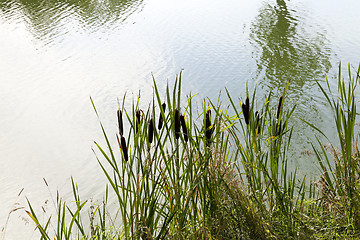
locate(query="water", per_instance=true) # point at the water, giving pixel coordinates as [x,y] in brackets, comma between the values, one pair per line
[55,54]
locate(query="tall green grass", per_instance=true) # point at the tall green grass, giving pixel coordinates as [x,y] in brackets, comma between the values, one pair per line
[217,173]
[340,189]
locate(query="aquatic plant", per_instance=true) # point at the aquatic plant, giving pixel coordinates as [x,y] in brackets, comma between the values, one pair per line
[220,173]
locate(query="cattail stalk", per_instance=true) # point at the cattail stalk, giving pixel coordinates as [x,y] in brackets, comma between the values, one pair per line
[163,106]
[183,126]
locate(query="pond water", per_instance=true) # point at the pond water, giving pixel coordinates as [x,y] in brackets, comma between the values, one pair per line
[55,54]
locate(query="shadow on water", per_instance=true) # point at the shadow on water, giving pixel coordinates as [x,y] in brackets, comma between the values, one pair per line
[288,45]
[46,18]
[287,48]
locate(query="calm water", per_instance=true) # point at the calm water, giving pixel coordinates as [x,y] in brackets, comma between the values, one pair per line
[55,54]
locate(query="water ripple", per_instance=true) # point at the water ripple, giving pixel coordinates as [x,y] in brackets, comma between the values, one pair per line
[49,21]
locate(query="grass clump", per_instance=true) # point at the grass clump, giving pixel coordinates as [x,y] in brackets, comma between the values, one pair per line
[219,173]
[340,162]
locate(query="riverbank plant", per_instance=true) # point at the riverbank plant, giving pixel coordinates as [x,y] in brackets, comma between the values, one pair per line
[177,172]
[339,193]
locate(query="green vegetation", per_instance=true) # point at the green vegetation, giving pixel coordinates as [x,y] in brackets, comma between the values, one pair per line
[221,173]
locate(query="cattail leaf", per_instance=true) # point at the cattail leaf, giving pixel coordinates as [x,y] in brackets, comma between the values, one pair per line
[278,128]
[177,123]
[183,126]
[163,106]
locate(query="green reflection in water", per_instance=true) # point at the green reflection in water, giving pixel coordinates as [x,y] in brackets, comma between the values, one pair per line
[289,46]
[285,47]
[47,18]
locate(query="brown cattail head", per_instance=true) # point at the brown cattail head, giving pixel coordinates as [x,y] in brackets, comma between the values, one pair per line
[183,126]
[163,106]
[208,130]
[177,123]
[151,130]
[120,122]
[279,107]
[138,116]
[246,110]
[124,148]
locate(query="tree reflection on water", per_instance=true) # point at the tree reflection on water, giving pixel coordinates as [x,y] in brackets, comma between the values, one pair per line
[284,48]
[47,18]
[288,45]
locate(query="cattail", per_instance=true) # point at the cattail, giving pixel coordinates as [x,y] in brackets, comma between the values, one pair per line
[177,123]
[124,148]
[246,110]
[279,107]
[138,115]
[257,121]
[121,128]
[183,126]
[163,106]
[151,130]
[208,124]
